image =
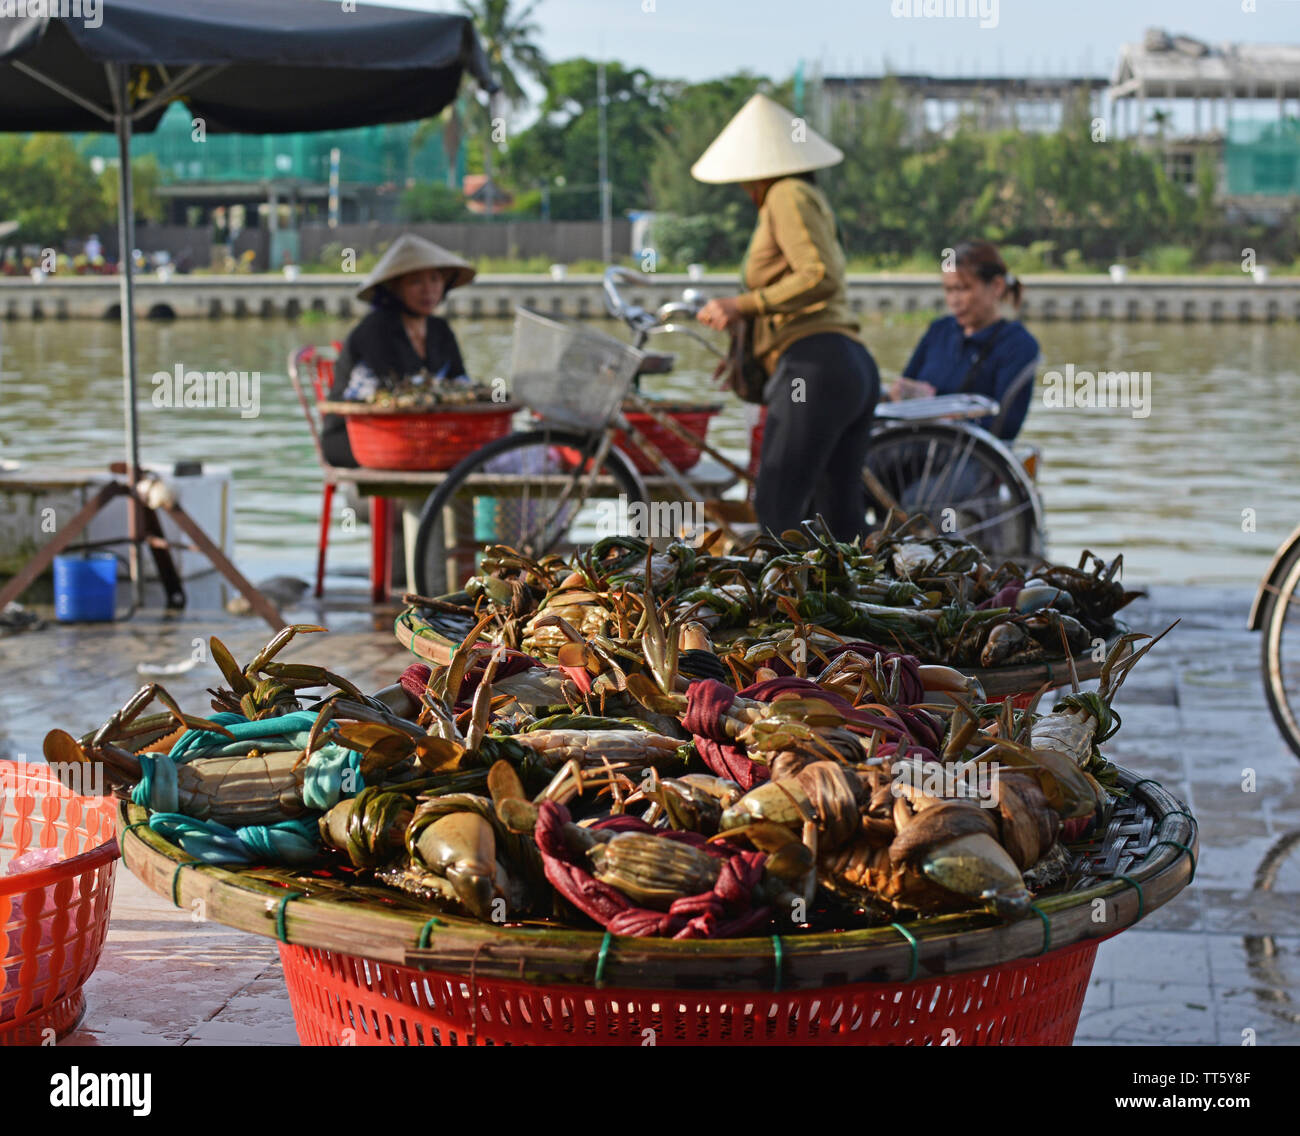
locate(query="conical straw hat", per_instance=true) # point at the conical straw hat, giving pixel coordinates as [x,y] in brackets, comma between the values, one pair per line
[764,140]
[410,253]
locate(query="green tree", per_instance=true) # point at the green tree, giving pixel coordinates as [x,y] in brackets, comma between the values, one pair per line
[146,177]
[508,37]
[561,150]
[708,223]
[47,186]
[432,202]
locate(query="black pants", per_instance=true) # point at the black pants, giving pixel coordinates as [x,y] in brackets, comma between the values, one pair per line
[820,402]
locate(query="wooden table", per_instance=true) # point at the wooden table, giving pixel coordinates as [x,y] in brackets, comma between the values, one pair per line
[386,486]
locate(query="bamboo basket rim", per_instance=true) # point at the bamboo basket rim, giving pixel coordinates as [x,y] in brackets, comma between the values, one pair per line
[435,647]
[370,410]
[931,948]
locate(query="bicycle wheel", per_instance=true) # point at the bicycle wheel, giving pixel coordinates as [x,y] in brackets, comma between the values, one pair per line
[533,491]
[1281,649]
[963,479]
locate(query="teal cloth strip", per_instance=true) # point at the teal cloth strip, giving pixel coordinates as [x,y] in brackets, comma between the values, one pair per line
[426,932]
[1191,855]
[601,956]
[289,842]
[916,949]
[333,773]
[1141,897]
[323,785]
[778,958]
[280,932]
[1047,927]
[156,790]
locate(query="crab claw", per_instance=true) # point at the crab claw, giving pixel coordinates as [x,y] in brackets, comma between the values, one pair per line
[63,752]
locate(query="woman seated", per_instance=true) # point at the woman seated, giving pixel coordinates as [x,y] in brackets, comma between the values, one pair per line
[975,350]
[401,336]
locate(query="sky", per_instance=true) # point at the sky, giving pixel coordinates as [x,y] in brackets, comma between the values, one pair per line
[700,39]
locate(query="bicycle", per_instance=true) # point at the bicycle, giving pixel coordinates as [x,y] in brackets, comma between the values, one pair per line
[556,486]
[1276,612]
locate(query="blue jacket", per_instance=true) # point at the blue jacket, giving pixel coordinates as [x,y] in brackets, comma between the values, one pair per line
[945,355]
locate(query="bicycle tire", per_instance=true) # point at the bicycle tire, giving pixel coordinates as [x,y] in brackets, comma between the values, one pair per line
[430,547]
[1277,606]
[993,503]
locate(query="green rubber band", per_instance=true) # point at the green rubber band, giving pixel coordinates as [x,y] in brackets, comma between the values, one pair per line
[1047,927]
[137,824]
[1190,853]
[1182,813]
[280,932]
[778,957]
[916,949]
[426,932]
[1141,898]
[176,879]
[601,955]
[1145,781]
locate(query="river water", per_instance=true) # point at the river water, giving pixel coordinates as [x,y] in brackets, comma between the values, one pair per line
[1199,490]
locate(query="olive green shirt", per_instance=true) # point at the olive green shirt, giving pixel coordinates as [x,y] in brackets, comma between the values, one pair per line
[794,270]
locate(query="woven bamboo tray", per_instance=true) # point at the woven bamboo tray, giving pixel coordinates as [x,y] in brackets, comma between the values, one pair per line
[1150,841]
[999,682]
[435,639]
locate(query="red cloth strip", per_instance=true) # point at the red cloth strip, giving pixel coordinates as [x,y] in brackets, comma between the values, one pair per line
[727,909]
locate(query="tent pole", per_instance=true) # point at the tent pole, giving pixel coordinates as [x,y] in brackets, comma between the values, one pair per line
[126,246]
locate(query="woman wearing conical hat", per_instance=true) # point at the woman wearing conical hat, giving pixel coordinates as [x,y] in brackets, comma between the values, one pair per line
[823,384]
[401,336]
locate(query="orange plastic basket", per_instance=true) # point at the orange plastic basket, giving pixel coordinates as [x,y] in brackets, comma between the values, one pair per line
[52,921]
[340,999]
[425,441]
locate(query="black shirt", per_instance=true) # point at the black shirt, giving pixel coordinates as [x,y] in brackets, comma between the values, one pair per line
[380,341]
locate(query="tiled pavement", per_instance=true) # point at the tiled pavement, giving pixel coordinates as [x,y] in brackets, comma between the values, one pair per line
[1218,966]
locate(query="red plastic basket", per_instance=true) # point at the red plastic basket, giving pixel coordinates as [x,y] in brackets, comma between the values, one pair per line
[425,441]
[340,999]
[52,921]
[682,455]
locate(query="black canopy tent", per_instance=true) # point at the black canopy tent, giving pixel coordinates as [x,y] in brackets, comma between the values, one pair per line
[255,66]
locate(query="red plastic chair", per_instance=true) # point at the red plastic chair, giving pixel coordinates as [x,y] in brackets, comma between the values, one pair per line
[320,366]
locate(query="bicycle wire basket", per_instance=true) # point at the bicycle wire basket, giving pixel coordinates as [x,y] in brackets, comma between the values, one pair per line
[569,374]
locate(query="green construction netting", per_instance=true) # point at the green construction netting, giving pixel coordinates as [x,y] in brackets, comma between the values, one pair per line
[371,155]
[1263,158]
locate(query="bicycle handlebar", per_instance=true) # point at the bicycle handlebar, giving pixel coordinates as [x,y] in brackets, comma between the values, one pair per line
[646,323]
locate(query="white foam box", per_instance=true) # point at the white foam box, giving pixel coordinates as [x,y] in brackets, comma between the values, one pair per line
[35,500]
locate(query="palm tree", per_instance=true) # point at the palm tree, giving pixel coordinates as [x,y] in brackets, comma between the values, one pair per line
[507,37]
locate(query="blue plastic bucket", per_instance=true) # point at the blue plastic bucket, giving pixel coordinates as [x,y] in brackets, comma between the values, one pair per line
[85,588]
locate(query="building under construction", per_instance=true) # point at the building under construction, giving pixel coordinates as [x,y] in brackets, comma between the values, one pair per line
[1231,108]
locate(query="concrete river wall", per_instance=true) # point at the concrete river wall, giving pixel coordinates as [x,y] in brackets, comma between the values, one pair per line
[1155,298]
